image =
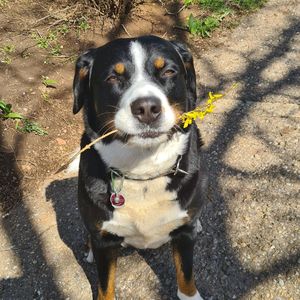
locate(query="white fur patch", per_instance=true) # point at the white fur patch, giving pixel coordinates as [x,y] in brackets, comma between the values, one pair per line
[142,86]
[182,296]
[150,213]
[138,162]
[74,165]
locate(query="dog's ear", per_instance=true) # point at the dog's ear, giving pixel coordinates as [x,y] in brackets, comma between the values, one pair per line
[187,59]
[81,81]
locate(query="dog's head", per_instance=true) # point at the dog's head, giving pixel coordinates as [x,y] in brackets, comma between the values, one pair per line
[139,86]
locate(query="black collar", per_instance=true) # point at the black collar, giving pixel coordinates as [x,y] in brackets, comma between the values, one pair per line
[115,173]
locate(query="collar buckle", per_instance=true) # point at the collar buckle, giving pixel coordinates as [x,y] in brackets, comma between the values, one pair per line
[177,169]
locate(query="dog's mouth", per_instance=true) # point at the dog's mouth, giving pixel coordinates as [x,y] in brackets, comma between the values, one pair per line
[150,134]
[145,138]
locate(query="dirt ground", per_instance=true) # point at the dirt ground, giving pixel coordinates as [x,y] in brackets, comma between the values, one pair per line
[249,246]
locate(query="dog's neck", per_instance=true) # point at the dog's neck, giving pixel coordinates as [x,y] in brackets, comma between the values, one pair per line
[140,162]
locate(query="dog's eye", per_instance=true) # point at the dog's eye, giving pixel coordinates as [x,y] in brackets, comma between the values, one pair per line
[169,73]
[112,79]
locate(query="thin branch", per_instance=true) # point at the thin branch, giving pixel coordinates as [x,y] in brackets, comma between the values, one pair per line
[123,26]
[88,146]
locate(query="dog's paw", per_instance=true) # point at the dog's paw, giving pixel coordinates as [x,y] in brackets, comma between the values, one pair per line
[89,257]
[182,296]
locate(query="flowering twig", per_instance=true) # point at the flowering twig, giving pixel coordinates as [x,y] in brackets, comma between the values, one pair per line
[201,111]
[86,147]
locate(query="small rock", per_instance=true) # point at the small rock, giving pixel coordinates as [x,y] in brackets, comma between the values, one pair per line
[281,282]
[60,141]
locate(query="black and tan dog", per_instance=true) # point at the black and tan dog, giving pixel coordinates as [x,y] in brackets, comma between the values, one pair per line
[145,185]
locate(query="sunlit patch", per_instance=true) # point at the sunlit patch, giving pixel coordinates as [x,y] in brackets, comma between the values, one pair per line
[119,68]
[159,62]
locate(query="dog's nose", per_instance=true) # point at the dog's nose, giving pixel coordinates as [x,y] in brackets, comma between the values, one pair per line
[146,110]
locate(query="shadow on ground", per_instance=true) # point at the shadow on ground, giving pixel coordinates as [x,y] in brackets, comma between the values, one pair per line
[23,238]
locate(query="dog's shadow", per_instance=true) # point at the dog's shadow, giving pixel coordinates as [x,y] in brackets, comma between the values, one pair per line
[63,195]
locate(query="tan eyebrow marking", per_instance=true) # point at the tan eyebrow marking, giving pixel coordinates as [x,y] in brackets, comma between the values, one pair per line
[119,68]
[83,72]
[159,62]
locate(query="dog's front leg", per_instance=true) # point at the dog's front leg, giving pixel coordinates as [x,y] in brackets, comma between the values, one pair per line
[105,256]
[183,246]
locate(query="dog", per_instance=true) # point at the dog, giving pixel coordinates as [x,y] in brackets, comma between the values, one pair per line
[145,185]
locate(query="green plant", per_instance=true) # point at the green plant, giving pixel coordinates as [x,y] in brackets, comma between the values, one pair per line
[83,25]
[28,126]
[45,96]
[47,82]
[213,5]
[22,124]
[56,50]
[6,60]
[6,50]
[63,29]
[42,41]
[250,4]
[49,42]
[187,3]
[7,113]
[205,26]
[215,11]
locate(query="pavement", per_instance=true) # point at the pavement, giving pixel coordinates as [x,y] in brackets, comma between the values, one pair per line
[249,245]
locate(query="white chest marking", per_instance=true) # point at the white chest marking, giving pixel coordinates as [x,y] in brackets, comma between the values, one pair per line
[149,215]
[138,162]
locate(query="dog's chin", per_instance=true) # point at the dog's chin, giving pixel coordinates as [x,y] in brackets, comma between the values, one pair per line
[148,142]
[147,139]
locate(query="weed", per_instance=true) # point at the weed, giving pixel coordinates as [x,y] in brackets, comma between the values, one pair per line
[49,42]
[47,82]
[213,5]
[45,96]
[42,41]
[7,113]
[28,126]
[22,124]
[188,2]
[6,51]
[216,11]
[250,4]
[56,50]
[83,25]
[63,29]
[6,60]
[204,27]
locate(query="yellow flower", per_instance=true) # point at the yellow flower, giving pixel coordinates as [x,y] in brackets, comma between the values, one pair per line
[201,111]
